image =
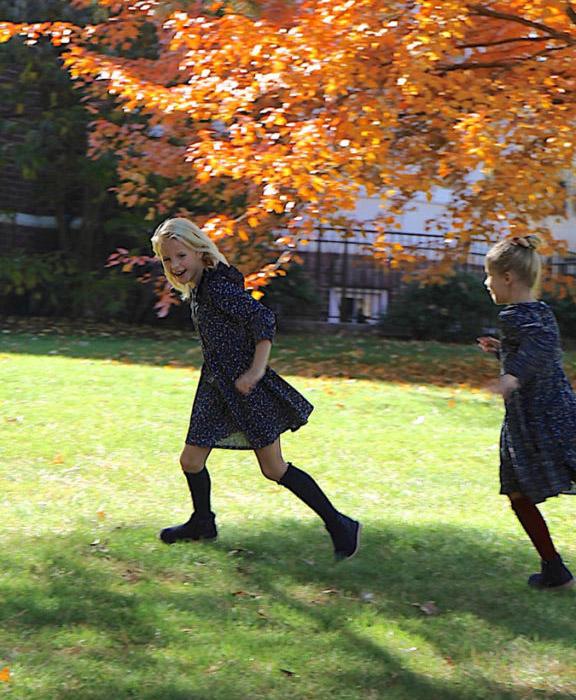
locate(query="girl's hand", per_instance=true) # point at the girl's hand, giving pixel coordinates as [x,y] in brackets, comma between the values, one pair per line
[247,381]
[506,385]
[488,344]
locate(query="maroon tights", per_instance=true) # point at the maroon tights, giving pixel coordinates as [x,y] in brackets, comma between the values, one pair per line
[534,525]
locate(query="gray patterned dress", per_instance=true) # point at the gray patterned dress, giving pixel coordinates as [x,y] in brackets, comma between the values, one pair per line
[538,438]
[230,323]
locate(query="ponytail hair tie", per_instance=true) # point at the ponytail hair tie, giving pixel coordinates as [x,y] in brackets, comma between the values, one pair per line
[521,241]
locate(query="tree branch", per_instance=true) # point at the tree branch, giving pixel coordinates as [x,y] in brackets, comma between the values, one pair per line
[482,11]
[476,65]
[481,44]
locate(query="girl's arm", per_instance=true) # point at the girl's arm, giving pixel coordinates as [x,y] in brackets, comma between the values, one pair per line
[506,385]
[240,306]
[489,344]
[247,381]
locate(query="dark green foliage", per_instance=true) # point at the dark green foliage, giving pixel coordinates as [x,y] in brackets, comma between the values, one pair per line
[52,284]
[40,11]
[565,312]
[459,310]
[293,295]
[43,134]
[43,141]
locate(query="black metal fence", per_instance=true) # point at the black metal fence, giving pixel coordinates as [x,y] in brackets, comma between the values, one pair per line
[355,288]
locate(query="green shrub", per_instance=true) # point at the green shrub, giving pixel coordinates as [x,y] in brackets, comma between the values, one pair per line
[458,310]
[52,284]
[294,295]
[565,312]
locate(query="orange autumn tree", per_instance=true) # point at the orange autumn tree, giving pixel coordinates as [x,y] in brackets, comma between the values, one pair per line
[278,115]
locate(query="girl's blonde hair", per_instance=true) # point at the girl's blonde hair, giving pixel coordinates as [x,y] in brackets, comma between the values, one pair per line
[518,255]
[192,236]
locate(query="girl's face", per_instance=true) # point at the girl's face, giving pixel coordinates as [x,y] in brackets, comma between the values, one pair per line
[498,284]
[182,262]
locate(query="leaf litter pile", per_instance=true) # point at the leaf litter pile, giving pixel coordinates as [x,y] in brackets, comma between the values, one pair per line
[355,357]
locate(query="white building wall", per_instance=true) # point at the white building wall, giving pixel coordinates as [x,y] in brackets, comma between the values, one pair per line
[414,221]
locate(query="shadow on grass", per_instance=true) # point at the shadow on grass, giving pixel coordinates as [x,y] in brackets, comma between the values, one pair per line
[150,621]
[301,355]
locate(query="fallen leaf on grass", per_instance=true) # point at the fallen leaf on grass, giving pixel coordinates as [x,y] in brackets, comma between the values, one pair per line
[247,594]
[101,515]
[132,575]
[330,591]
[327,593]
[5,675]
[428,608]
[240,552]
[214,668]
[98,546]
[71,651]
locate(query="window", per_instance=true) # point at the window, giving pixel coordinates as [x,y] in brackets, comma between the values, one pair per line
[356,305]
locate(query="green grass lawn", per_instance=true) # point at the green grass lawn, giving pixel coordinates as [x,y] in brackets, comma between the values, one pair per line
[93,606]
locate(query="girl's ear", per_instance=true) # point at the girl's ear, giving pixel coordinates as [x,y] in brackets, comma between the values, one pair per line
[508,277]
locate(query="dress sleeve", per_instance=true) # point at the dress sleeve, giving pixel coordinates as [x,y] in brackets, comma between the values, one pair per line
[237,303]
[535,346]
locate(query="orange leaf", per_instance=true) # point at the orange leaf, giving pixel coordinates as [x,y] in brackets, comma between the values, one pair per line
[5,675]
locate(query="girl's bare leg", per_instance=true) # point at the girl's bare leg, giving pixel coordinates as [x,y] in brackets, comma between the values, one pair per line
[193,458]
[271,462]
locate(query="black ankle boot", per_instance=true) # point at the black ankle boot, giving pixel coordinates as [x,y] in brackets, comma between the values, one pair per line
[345,534]
[197,528]
[554,574]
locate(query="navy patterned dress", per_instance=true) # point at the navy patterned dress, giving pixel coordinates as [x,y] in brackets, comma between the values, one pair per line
[230,322]
[538,438]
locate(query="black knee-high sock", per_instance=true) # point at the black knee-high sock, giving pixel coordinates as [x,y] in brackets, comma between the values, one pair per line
[303,485]
[535,527]
[199,485]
